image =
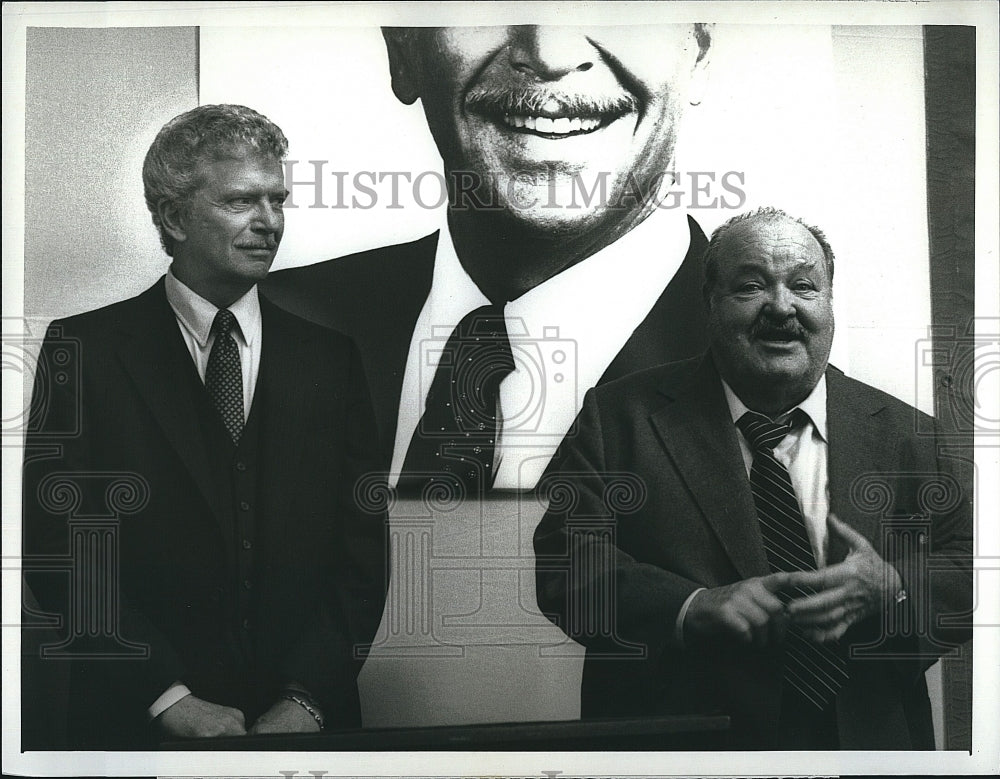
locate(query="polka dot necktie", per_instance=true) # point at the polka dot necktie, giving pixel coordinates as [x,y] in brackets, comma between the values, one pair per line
[453,447]
[224,377]
[815,671]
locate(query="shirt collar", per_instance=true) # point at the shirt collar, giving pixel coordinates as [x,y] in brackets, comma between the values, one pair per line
[196,314]
[599,296]
[604,293]
[453,292]
[814,406]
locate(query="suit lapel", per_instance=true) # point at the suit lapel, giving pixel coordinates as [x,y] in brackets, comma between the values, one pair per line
[374,297]
[155,357]
[389,341]
[288,397]
[698,434]
[862,448]
[383,331]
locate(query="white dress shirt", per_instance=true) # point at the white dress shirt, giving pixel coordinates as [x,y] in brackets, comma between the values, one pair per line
[564,334]
[804,452]
[195,316]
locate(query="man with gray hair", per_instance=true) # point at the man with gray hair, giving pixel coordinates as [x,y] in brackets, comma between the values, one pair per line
[243,575]
[793,554]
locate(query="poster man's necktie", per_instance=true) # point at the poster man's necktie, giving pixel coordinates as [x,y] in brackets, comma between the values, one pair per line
[454,444]
[816,671]
[224,377]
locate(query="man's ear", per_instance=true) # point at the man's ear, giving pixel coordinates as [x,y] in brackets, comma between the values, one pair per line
[703,35]
[174,219]
[404,69]
[706,296]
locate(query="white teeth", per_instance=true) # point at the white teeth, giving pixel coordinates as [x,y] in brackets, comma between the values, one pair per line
[561,126]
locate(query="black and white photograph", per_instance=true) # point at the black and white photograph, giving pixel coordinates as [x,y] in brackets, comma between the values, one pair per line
[510,389]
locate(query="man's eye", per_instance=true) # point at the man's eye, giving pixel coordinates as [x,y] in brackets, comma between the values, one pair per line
[240,202]
[804,286]
[750,286]
[278,202]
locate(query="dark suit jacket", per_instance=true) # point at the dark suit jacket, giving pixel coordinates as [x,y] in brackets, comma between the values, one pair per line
[376,296]
[650,500]
[115,403]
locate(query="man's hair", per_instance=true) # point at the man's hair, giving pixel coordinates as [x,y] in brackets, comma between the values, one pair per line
[710,261]
[204,134]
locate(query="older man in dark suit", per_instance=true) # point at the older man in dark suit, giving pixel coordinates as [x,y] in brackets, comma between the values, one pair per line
[787,548]
[223,438]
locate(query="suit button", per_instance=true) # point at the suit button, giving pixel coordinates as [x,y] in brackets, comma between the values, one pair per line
[246,543]
[247,584]
[246,624]
[241,466]
[244,506]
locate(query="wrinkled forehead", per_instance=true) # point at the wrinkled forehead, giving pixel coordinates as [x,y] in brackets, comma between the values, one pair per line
[235,159]
[770,241]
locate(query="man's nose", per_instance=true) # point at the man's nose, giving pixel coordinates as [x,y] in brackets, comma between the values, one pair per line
[268,218]
[781,302]
[548,52]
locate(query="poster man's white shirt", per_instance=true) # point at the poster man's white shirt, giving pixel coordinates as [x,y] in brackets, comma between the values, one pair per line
[564,334]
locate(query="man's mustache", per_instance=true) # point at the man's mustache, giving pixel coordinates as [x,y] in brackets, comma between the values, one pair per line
[770,330]
[535,101]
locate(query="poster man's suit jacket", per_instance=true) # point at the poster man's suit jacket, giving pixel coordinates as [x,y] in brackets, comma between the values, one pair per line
[116,402]
[650,500]
[376,296]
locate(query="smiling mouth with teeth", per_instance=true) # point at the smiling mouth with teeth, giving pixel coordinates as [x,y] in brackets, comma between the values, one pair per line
[545,125]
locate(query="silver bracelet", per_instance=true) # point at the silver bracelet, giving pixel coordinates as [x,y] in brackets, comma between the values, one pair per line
[314,712]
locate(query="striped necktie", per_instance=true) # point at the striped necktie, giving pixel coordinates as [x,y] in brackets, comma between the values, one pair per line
[815,671]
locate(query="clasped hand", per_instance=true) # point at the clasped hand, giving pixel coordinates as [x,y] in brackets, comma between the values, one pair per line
[192,717]
[823,604]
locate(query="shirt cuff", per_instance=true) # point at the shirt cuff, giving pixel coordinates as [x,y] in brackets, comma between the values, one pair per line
[679,624]
[173,694]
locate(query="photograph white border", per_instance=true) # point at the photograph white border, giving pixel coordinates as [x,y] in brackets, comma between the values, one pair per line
[985,758]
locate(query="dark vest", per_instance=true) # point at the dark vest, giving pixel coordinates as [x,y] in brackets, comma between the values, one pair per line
[235,473]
